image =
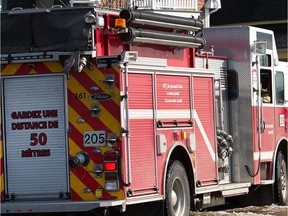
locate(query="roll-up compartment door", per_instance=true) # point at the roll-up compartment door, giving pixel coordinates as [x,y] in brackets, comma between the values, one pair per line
[35,137]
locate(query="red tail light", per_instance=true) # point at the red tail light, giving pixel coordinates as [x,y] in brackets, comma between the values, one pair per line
[110,166]
[111,171]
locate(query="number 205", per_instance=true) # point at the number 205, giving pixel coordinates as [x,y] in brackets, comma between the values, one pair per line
[94,138]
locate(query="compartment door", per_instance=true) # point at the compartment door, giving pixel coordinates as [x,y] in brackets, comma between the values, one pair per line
[35,137]
[142,148]
[205,131]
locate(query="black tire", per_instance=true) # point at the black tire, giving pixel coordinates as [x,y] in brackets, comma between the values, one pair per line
[177,191]
[281,179]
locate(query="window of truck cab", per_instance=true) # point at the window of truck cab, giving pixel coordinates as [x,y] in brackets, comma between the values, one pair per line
[267,90]
[279,87]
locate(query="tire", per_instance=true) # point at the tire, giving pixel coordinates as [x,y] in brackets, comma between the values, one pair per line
[281,179]
[177,191]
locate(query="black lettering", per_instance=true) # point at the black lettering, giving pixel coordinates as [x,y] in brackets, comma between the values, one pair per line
[53,124]
[32,125]
[27,153]
[26,114]
[36,153]
[50,113]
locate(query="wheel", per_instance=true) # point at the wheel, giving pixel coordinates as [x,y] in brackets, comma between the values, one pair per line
[281,179]
[177,191]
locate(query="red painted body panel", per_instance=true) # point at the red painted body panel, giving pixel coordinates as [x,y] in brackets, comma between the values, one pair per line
[274,131]
[140,91]
[205,135]
[142,147]
[142,155]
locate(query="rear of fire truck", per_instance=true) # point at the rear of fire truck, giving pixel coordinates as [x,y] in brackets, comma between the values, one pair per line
[65,133]
[60,114]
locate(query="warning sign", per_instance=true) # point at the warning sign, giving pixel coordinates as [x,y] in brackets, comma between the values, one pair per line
[38,119]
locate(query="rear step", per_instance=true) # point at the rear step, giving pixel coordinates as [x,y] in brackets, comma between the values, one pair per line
[57,206]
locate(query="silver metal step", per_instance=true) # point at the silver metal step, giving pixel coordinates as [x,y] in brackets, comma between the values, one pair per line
[266,182]
[227,189]
[235,192]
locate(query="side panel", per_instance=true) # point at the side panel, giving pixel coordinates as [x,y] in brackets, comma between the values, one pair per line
[220,67]
[142,148]
[221,105]
[206,172]
[173,116]
[234,42]
[281,97]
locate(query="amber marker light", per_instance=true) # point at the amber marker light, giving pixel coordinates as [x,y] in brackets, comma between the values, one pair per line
[120,23]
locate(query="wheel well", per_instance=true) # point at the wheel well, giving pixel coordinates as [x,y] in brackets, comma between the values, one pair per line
[278,187]
[283,147]
[180,154]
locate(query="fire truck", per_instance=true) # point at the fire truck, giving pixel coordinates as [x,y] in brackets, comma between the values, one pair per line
[106,109]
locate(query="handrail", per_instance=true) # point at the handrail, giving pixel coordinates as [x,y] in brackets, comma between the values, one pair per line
[186,5]
[165,4]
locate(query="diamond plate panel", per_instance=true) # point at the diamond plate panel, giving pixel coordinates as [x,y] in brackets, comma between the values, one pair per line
[234,42]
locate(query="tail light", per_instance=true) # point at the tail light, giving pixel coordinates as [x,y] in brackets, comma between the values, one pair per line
[110,166]
[111,171]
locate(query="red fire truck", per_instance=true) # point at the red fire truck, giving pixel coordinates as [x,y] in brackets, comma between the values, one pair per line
[102,109]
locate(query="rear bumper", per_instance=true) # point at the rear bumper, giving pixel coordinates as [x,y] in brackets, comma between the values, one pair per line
[55,206]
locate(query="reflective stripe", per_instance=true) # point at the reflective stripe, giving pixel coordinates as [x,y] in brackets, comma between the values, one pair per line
[204,135]
[265,155]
